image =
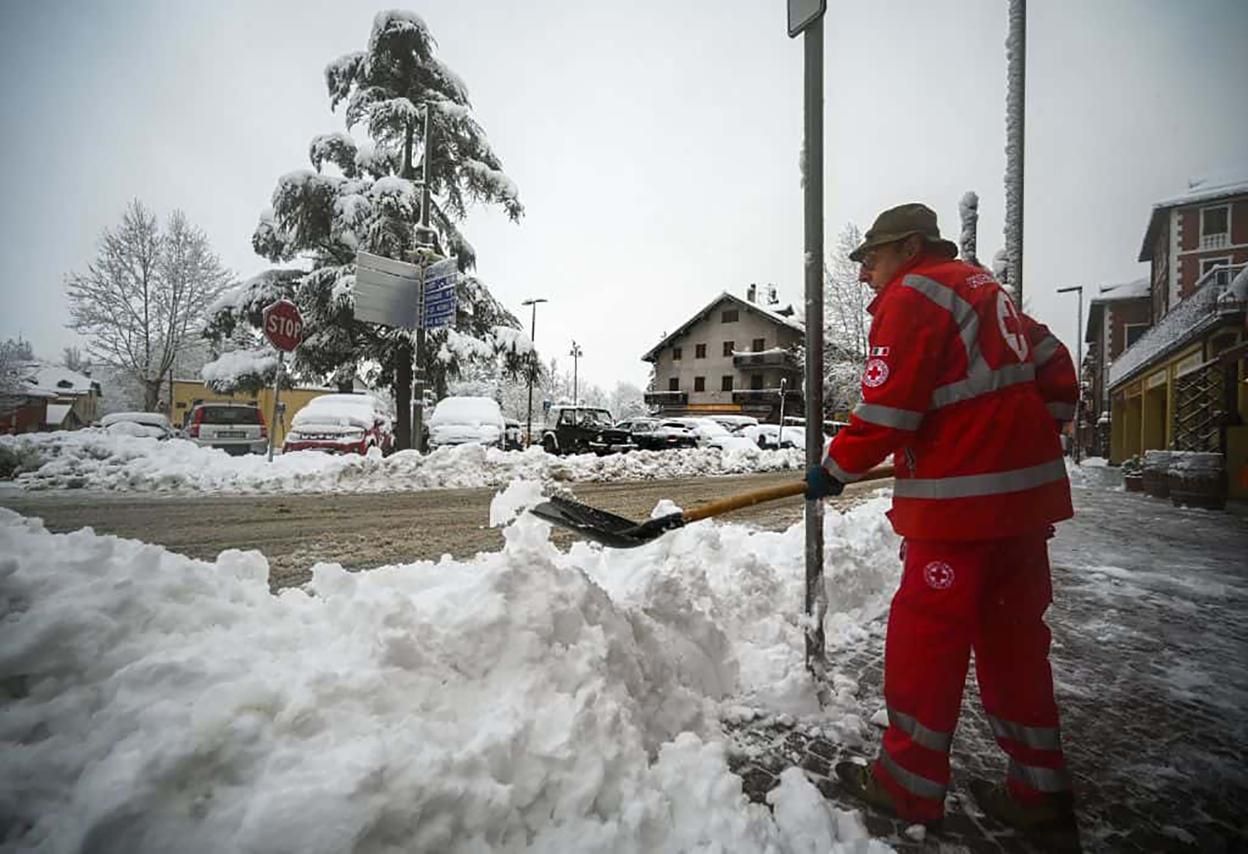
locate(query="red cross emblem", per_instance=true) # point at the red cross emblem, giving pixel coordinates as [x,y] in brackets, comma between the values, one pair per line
[1011,326]
[875,373]
[938,575]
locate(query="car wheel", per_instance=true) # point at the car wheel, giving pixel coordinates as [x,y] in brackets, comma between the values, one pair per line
[549,446]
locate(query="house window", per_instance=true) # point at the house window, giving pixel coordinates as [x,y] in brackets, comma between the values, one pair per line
[760,344]
[673,384]
[1207,265]
[725,383]
[729,315]
[1215,227]
[699,351]
[699,383]
[729,346]
[1134,331]
[756,381]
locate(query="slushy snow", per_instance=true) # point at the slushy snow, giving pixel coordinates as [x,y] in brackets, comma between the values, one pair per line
[527,699]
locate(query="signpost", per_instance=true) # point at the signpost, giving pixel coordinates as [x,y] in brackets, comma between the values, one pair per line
[283,326]
[806,16]
[407,296]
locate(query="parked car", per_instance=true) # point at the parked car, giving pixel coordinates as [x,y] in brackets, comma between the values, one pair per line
[734,423]
[466,420]
[583,429]
[711,434]
[341,424]
[651,434]
[513,435]
[236,428]
[768,436]
[152,425]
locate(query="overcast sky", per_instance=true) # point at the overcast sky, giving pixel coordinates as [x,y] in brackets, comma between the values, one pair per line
[654,142]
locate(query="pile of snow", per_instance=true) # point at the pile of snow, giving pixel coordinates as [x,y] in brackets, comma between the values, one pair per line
[522,700]
[93,459]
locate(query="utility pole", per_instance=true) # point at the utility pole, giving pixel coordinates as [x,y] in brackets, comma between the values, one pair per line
[1015,137]
[528,430]
[576,354]
[1075,452]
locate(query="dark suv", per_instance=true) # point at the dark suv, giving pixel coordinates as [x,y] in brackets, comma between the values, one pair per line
[582,429]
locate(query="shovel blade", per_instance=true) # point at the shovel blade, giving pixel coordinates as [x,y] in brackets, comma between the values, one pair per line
[593,524]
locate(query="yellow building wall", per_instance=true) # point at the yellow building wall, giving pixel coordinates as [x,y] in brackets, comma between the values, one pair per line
[186,393]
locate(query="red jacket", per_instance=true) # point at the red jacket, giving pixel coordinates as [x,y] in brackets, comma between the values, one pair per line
[949,388]
[1055,371]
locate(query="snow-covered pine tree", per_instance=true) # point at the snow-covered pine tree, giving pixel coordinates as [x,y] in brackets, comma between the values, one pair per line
[846,324]
[365,197]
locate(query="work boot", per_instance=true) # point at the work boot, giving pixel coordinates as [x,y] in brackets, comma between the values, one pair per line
[1052,819]
[858,781]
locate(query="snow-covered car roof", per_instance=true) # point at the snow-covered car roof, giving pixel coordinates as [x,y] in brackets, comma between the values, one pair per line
[466,410]
[358,410]
[155,419]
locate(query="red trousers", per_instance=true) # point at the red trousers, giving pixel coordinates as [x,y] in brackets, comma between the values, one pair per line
[988,596]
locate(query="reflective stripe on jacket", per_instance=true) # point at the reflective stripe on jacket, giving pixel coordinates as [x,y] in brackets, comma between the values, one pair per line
[950,388]
[1055,371]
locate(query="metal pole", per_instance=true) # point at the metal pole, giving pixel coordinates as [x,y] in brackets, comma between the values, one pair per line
[418,397]
[816,596]
[277,391]
[576,356]
[528,435]
[1015,115]
[780,432]
[1079,380]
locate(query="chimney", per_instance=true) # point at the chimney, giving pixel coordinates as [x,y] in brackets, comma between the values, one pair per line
[772,299]
[751,293]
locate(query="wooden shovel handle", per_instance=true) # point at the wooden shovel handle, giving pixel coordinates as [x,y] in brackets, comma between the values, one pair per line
[770,493]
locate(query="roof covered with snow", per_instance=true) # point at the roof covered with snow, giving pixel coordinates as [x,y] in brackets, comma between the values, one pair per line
[1184,323]
[1134,290]
[1208,188]
[790,320]
[57,380]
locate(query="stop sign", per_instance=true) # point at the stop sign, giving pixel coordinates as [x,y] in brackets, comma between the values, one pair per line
[283,325]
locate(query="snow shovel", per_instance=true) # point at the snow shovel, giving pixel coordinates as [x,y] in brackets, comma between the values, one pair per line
[616,532]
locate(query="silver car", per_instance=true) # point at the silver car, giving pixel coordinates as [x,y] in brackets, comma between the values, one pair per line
[236,428]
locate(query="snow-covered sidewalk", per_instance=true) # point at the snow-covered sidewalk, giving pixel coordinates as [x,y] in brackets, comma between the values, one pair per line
[94,460]
[524,700]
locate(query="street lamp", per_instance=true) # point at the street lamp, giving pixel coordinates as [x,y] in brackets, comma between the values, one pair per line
[528,433]
[576,352]
[1078,362]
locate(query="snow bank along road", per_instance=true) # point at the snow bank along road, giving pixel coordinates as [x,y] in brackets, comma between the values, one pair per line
[525,699]
[362,530]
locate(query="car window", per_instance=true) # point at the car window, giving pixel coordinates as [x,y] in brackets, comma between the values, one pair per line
[231,415]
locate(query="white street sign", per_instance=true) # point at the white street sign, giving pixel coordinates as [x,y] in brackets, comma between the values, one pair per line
[386,291]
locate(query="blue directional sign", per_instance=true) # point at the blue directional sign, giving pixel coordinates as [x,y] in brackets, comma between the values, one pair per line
[439,297]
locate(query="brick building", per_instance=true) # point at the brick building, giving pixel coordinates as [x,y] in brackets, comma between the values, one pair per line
[1117,318]
[1183,383]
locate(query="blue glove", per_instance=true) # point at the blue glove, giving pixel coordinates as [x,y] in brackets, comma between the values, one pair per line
[820,484]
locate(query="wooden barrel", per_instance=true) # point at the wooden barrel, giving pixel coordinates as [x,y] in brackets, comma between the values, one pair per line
[1133,482]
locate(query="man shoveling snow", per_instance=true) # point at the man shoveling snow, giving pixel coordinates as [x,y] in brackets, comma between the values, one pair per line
[950,389]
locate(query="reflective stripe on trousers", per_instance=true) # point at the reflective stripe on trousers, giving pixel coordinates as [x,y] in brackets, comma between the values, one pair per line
[889,416]
[919,734]
[1041,779]
[1062,411]
[915,784]
[1040,738]
[973,485]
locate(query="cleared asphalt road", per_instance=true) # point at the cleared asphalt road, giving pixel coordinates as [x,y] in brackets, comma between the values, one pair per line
[360,531]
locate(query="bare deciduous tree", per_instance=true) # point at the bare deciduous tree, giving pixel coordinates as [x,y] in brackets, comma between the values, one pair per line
[144,298]
[846,324]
